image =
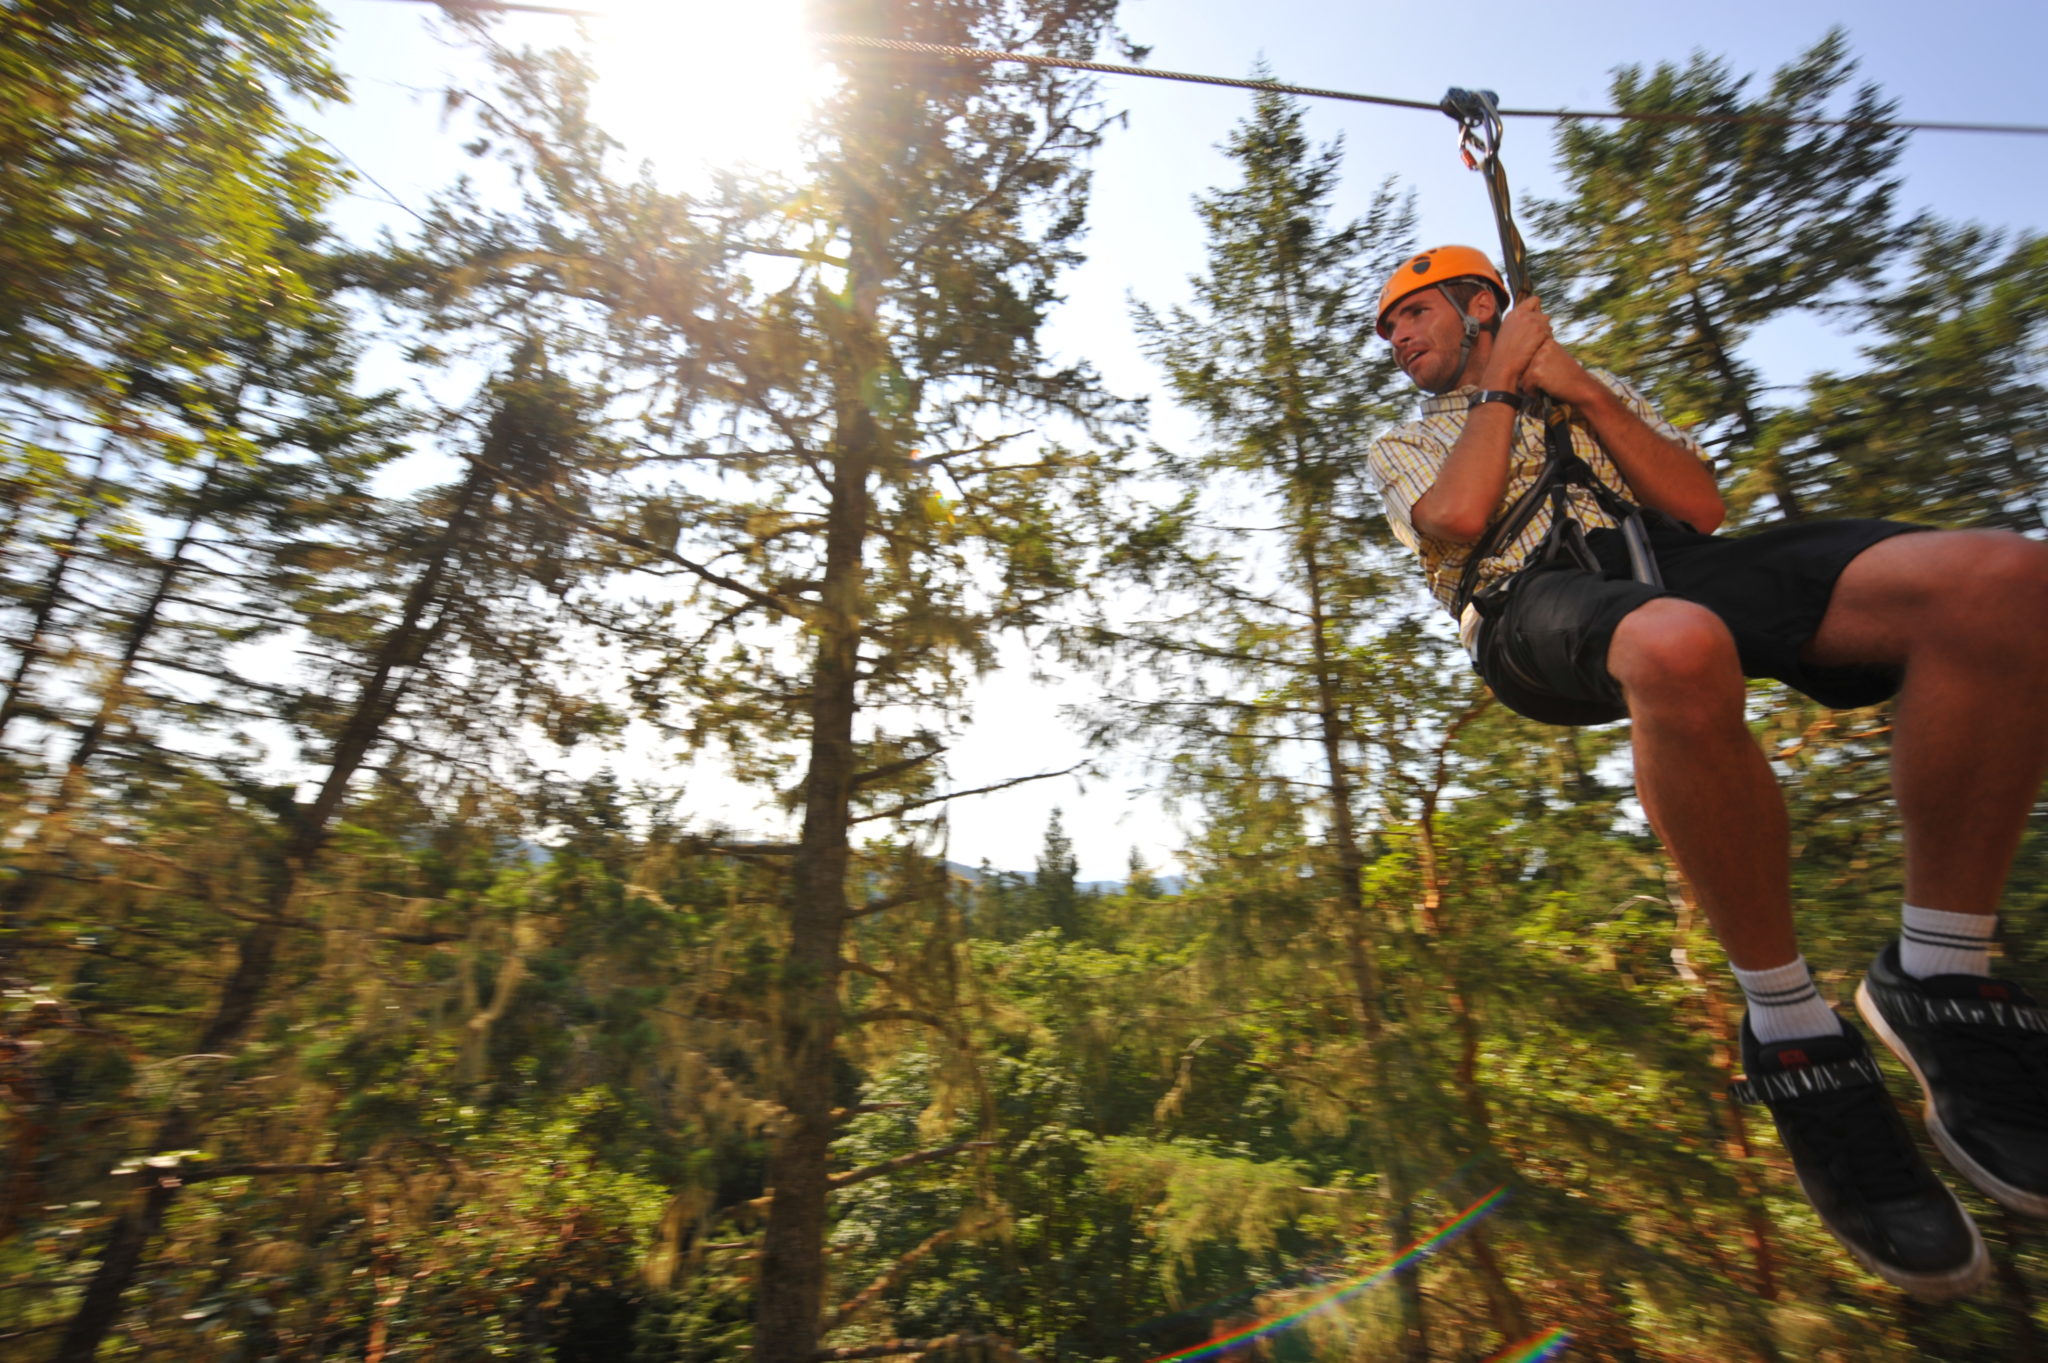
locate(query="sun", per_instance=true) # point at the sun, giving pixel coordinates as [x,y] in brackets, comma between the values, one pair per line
[693,84]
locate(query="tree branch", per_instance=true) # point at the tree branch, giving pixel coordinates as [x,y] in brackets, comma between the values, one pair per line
[653,550]
[931,1020]
[915,1157]
[893,1274]
[895,1348]
[201,1173]
[889,769]
[888,901]
[862,1175]
[908,806]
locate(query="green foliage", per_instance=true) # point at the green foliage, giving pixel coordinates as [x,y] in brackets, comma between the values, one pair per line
[1943,424]
[150,186]
[1197,1197]
[375,1032]
[1677,241]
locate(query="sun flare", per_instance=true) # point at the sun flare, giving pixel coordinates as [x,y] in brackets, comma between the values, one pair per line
[691,84]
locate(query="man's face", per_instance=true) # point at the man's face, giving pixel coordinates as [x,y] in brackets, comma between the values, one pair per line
[1428,337]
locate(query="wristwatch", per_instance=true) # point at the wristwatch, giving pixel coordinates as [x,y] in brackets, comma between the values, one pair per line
[1512,399]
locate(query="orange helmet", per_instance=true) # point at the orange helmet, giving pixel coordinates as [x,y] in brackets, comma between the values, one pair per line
[1439,265]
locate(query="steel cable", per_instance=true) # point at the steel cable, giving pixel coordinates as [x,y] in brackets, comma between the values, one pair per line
[910,48]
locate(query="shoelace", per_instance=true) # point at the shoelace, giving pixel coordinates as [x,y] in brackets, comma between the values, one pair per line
[1856,1129]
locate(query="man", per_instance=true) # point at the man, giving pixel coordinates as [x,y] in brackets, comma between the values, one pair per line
[1954,623]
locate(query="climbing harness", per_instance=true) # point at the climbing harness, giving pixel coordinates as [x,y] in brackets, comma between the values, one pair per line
[1477,113]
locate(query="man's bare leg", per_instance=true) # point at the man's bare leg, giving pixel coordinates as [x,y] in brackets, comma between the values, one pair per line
[1966,614]
[1711,796]
[1702,779]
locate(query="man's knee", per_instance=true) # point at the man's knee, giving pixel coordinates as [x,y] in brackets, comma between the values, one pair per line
[1676,657]
[2013,575]
[1996,596]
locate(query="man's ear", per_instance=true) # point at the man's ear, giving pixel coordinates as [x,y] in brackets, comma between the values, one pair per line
[1484,307]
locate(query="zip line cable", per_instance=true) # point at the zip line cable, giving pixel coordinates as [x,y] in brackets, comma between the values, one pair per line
[908,48]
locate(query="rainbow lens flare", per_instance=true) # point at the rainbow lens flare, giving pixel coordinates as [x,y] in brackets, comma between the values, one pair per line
[1534,1349]
[1543,1346]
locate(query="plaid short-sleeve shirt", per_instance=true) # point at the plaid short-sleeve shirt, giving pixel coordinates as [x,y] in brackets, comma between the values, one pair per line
[1404,464]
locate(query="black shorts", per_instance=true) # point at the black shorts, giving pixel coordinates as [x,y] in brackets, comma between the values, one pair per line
[1543,635]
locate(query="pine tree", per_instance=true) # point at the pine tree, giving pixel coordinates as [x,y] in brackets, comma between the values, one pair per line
[152,188]
[1270,356]
[1059,899]
[1674,242]
[270,460]
[1139,881]
[1942,423]
[436,637]
[844,465]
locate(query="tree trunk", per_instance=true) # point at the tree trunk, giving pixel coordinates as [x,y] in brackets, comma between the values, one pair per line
[472,1064]
[1737,395]
[807,1014]
[1351,908]
[256,954]
[47,841]
[804,1036]
[32,642]
[1510,1315]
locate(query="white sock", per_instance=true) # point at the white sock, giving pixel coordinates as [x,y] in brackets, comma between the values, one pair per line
[1784,1005]
[1935,942]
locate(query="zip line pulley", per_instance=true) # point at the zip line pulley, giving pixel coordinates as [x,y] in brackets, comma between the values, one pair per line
[1477,113]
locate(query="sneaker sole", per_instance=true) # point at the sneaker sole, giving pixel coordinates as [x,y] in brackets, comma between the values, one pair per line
[1956,1282]
[1997,1189]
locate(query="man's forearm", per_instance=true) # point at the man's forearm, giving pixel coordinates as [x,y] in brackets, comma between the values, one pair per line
[1468,489]
[1661,473]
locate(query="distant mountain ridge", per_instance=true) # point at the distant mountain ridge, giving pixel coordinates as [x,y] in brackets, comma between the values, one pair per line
[539,854]
[974,875]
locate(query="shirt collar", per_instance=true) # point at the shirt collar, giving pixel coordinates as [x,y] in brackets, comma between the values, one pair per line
[1457,400]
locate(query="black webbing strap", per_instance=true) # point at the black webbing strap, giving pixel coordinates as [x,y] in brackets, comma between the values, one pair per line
[1806,1080]
[1924,1010]
[1477,113]
[1563,469]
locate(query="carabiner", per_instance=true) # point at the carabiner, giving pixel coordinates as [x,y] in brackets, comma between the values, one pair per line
[1477,113]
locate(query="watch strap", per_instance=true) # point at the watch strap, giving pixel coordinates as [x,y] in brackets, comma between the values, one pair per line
[1512,399]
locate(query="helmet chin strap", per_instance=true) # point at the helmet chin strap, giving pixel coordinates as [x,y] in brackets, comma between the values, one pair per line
[1471,336]
[1472,330]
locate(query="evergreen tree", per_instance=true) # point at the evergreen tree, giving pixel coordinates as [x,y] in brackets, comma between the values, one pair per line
[430,651]
[1674,242]
[1270,356]
[1943,421]
[270,465]
[1059,898]
[1139,882]
[406,1041]
[154,194]
[148,174]
[812,416]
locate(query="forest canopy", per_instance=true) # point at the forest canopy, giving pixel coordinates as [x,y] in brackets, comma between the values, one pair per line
[357,1007]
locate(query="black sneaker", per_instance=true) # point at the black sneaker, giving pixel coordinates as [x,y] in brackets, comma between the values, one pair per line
[1858,1165]
[1979,1048]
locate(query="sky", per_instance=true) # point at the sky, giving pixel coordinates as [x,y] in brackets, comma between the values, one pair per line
[725,79]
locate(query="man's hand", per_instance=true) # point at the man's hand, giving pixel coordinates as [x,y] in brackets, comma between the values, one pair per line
[1556,371]
[1523,334]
